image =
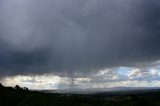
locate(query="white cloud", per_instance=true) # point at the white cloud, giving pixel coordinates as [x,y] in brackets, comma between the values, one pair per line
[155,72]
[136,73]
[107,74]
[144,74]
[33,82]
[107,78]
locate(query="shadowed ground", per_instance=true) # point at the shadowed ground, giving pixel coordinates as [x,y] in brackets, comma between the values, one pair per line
[18,96]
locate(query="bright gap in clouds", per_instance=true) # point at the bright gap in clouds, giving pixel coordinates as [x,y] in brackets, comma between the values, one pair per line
[103,79]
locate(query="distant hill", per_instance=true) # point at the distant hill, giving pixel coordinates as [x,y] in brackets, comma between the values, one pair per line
[17,96]
[102,90]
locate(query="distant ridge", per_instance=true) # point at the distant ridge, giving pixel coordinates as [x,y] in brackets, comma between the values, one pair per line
[18,96]
[100,90]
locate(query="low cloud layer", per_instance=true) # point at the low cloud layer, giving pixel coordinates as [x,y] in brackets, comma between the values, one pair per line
[68,37]
[102,80]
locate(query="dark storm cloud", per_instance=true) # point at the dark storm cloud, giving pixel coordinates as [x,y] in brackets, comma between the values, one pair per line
[66,36]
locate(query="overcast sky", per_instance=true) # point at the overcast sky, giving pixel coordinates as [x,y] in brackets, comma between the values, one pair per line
[97,42]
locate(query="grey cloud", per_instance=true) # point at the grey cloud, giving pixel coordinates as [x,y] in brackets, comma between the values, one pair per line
[105,76]
[71,36]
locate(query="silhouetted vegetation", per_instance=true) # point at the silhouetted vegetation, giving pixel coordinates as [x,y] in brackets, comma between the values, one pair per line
[18,96]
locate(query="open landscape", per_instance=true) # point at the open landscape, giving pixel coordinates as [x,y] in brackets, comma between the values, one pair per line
[18,96]
[79,52]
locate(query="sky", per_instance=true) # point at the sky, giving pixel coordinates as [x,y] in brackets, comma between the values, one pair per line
[60,44]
